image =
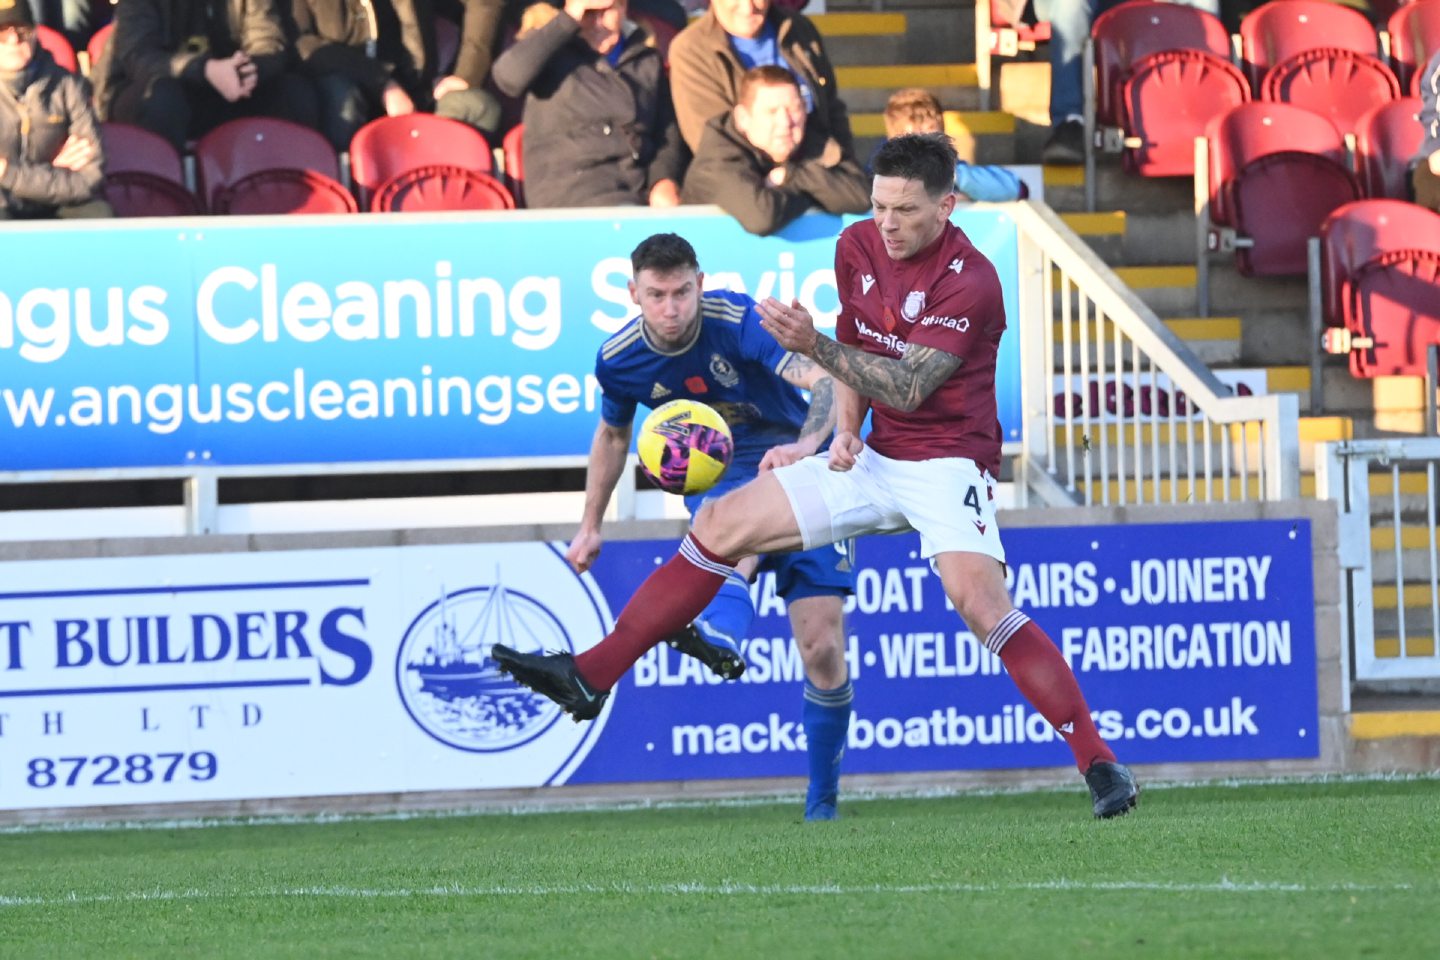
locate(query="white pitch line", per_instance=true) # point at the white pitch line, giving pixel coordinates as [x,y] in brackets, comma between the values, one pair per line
[458,891]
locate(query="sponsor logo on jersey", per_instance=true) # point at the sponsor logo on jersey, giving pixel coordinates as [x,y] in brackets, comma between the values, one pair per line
[957,264]
[914,305]
[962,324]
[866,282]
[660,392]
[889,341]
[722,371]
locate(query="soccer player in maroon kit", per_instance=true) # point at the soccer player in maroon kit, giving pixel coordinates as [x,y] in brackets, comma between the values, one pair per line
[920,321]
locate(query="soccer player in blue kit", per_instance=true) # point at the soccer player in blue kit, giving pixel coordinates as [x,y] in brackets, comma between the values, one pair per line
[688,344]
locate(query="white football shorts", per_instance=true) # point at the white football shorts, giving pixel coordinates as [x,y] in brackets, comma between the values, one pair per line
[949,501]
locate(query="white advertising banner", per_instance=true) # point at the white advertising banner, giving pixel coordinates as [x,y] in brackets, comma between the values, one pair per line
[234,676]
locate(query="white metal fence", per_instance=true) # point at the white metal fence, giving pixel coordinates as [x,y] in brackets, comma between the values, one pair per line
[1117,409]
[1386,491]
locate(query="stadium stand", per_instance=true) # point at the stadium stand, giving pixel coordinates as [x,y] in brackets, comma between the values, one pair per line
[1280,29]
[144,174]
[1334,82]
[54,43]
[1413,34]
[283,191]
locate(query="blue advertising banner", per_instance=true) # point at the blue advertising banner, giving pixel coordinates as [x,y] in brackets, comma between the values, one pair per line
[337,672]
[329,340]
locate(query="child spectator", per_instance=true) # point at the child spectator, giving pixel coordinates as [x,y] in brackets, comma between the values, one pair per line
[750,160]
[50,153]
[918,111]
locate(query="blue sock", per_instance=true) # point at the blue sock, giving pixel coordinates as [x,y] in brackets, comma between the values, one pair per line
[826,719]
[729,615]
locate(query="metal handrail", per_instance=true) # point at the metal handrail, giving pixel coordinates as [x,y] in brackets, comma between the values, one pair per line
[1110,318]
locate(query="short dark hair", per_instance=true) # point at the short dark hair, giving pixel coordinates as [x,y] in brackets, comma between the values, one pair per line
[768,75]
[927,157]
[663,253]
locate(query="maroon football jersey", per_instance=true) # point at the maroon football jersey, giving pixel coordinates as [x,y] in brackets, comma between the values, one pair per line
[946,297]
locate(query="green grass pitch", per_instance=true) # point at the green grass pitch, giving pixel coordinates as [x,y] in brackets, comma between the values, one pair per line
[1347,868]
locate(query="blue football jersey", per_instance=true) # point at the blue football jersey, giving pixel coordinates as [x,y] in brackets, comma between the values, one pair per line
[733,365]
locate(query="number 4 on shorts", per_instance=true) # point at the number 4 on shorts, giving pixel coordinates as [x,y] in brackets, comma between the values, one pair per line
[972,500]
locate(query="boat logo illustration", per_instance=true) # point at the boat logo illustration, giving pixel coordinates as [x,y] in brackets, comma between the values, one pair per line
[451,686]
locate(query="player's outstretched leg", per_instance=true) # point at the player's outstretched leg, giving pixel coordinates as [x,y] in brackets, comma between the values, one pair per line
[826,719]
[669,599]
[1046,680]
[714,637]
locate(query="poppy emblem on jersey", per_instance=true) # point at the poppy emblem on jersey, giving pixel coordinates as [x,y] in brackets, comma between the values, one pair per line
[722,371]
[697,385]
[914,305]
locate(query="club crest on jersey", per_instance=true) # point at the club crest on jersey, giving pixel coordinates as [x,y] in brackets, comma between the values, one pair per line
[722,371]
[914,305]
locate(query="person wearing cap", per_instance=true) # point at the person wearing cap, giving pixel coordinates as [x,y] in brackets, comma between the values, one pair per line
[51,163]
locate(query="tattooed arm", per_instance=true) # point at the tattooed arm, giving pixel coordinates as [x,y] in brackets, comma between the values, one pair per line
[899,382]
[804,373]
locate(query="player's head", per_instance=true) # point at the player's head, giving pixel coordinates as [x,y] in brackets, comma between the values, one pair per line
[913,193]
[913,110]
[770,112]
[666,287]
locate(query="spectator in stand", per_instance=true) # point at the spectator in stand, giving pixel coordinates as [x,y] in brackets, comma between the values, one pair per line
[181,68]
[50,154]
[599,125]
[750,161]
[365,58]
[461,94]
[709,57]
[1426,175]
[74,18]
[918,111]
[1070,22]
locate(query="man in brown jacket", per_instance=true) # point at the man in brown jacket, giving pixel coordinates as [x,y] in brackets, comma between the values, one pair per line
[50,154]
[182,67]
[709,58]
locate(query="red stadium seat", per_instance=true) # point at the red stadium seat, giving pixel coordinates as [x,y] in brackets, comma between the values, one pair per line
[513,147]
[1359,232]
[1394,300]
[1274,172]
[1337,83]
[1386,139]
[1414,31]
[385,148]
[239,148]
[130,148]
[441,187]
[54,43]
[95,49]
[1282,28]
[138,193]
[1123,36]
[1167,102]
[283,191]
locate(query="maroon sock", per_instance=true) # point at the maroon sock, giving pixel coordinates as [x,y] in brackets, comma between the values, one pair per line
[1048,683]
[664,604]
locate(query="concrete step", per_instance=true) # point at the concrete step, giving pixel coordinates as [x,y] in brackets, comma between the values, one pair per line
[1312,430]
[865,89]
[853,38]
[980,136]
[1214,340]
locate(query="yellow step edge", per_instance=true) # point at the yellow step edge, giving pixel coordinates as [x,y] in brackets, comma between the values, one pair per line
[1397,723]
[1287,379]
[1186,328]
[859,24]
[1416,595]
[1151,278]
[1411,483]
[1312,430]
[1388,648]
[1057,176]
[1212,491]
[1107,223]
[908,75]
[1411,537]
[957,122]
